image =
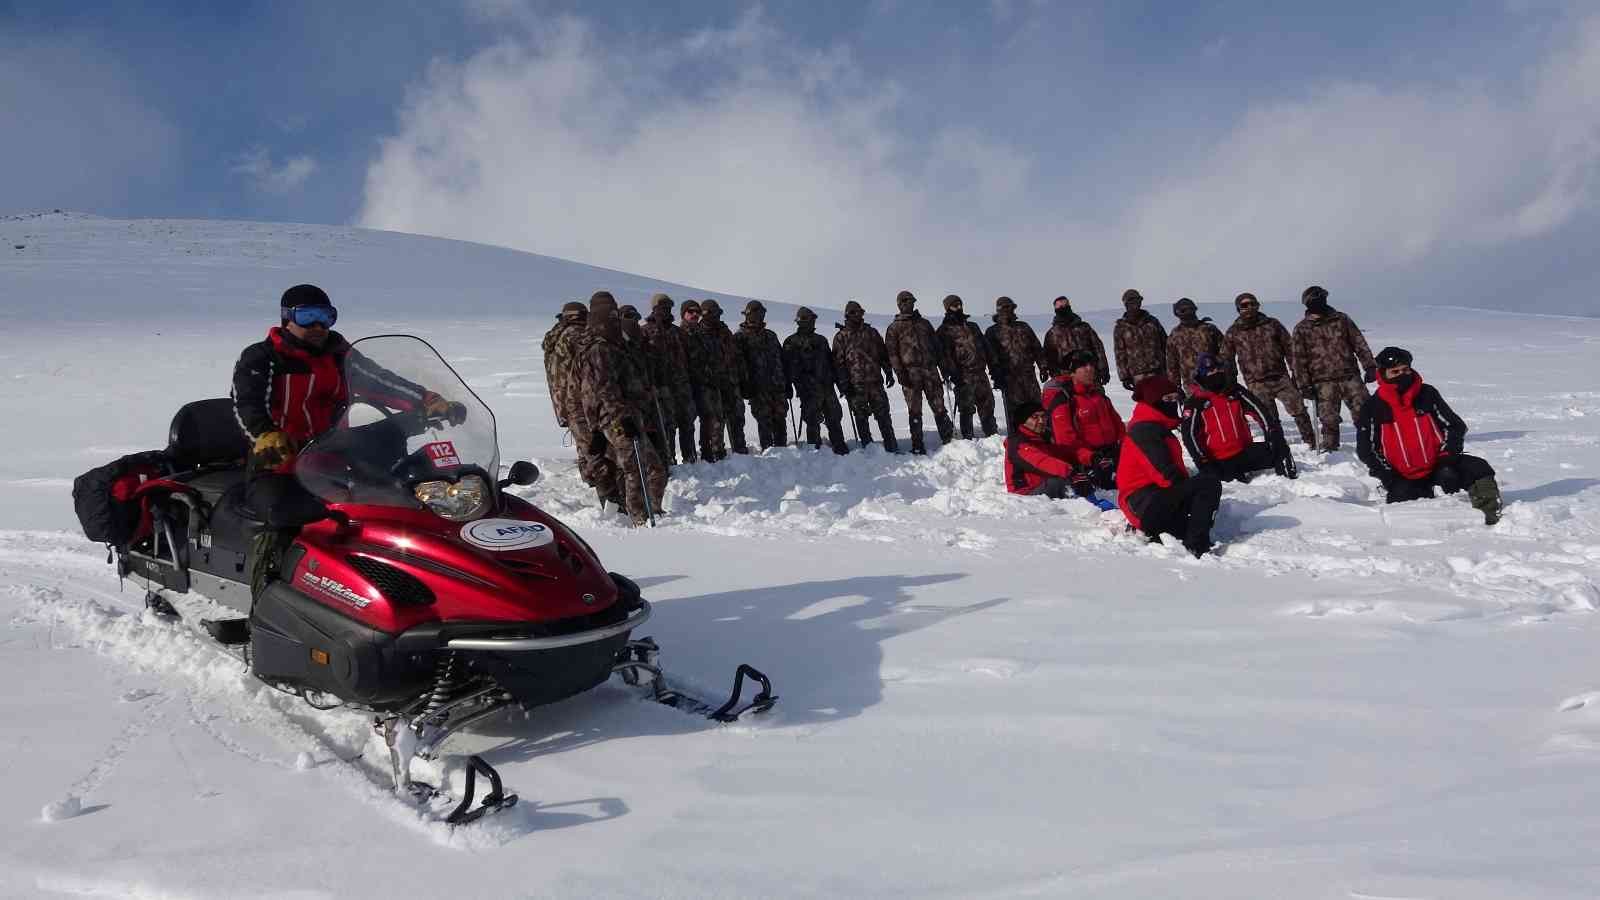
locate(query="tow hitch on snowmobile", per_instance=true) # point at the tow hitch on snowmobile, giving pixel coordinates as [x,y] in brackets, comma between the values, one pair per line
[638,659]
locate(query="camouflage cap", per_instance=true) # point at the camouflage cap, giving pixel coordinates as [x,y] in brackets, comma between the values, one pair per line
[710,307]
[1130,295]
[1239,301]
[573,310]
[629,311]
[952,301]
[690,306]
[804,314]
[1004,303]
[905,295]
[1183,304]
[754,306]
[854,309]
[602,301]
[1061,301]
[1313,294]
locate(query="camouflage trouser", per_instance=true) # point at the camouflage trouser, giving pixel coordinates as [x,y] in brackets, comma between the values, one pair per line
[1330,394]
[1283,391]
[771,412]
[924,383]
[1015,391]
[708,407]
[733,416]
[594,464]
[620,453]
[872,400]
[682,421]
[817,404]
[974,394]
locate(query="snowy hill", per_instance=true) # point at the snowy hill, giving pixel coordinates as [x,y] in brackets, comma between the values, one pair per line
[983,695]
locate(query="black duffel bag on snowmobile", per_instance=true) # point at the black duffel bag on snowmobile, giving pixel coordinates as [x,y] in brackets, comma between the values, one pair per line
[105,497]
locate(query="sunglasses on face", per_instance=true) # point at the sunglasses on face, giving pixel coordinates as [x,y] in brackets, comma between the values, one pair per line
[312,316]
[1250,304]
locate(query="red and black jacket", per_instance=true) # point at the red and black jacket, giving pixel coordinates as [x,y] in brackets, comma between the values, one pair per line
[1216,424]
[1407,433]
[1081,418]
[1151,458]
[1030,460]
[284,384]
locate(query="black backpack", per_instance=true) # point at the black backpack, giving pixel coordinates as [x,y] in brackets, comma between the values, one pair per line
[102,496]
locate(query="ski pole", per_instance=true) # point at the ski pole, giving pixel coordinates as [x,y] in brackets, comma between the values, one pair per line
[792,425]
[644,488]
[853,426]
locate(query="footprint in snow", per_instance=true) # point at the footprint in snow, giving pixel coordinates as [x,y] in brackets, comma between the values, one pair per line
[137,694]
[1581,701]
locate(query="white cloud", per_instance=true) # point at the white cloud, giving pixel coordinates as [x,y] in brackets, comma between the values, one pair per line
[268,177]
[734,160]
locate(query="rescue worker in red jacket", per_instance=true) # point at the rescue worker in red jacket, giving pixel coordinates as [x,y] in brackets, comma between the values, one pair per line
[1411,440]
[1082,421]
[1156,493]
[1216,427]
[291,388]
[1034,465]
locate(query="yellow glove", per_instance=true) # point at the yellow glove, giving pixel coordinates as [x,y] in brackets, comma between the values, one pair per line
[437,407]
[271,450]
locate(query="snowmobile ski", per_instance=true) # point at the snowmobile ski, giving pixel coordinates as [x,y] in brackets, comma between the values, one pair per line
[639,659]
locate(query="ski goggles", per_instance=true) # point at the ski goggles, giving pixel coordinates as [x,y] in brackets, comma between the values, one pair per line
[309,316]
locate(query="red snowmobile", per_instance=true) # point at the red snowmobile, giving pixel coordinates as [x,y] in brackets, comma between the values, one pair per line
[429,596]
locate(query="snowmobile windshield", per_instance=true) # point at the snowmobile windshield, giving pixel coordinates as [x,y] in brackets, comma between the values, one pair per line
[413,434]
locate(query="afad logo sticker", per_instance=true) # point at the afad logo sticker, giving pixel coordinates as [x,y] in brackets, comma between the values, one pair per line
[506,534]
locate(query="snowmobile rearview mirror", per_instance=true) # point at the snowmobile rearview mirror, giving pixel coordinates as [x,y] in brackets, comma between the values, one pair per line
[523,473]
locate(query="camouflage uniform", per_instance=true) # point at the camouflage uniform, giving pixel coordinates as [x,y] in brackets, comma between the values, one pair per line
[1260,349]
[766,385]
[968,355]
[1069,332]
[918,362]
[1191,337]
[1327,347]
[609,391]
[1140,342]
[672,390]
[730,375]
[704,353]
[646,370]
[858,358]
[1018,357]
[560,348]
[808,364]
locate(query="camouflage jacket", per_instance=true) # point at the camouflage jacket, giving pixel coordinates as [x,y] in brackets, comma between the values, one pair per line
[858,356]
[1141,346]
[914,349]
[808,363]
[703,352]
[729,371]
[1260,349]
[1069,333]
[962,345]
[1016,350]
[668,345]
[643,374]
[606,387]
[560,347]
[761,359]
[1327,348]
[1186,343]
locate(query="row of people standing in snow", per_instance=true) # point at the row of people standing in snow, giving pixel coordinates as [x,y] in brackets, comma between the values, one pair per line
[1073,439]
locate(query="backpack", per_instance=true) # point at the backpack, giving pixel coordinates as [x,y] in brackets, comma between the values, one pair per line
[105,497]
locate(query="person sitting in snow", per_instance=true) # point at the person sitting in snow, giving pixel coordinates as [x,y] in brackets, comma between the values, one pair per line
[1216,427]
[1034,465]
[1411,440]
[1156,493]
[1082,422]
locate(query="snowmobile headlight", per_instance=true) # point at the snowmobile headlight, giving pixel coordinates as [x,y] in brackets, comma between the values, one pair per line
[458,501]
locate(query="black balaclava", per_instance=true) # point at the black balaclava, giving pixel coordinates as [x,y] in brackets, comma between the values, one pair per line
[1316,300]
[1005,309]
[906,302]
[853,313]
[1186,312]
[805,320]
[603,318]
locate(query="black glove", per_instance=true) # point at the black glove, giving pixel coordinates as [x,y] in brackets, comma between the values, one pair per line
[630,428]
[1370,375]
[791,392]
[1104,462]
[888,379]
[1447,477]
[997,375]
[457,413]
[1082,484]
[845,391]
[1127,385]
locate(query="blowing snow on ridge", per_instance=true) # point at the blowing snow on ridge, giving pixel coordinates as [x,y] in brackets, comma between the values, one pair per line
[983,695]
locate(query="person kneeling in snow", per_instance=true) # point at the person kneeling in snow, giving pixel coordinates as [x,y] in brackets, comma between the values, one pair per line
[1411,440]
[1034,465]
[1155,491]
[1082,423]
[1216,427]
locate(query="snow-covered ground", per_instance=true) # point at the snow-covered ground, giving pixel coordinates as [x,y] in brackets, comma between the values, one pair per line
[982,695]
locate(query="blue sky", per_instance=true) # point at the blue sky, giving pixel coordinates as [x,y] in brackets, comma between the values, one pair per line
[814,151]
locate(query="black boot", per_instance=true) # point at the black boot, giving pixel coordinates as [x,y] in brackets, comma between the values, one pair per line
[947,428]
[966,426]
[836,439]
[864,430]
[915,427]
[886,428]
[763,434]
[990,429]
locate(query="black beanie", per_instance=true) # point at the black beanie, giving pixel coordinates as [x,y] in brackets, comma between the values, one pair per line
[1389,357]
[304,295]
[1024,409]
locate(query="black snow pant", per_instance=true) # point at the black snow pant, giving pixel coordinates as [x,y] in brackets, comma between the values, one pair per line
[1186,510]
[1244,465]
[1053,487]
[1450,475]
[284,505]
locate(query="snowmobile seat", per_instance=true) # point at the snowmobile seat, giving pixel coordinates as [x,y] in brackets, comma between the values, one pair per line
[233,521]
[207,434]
